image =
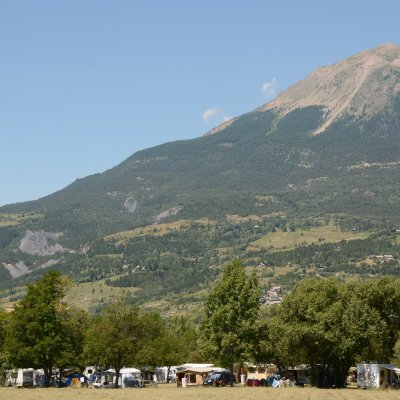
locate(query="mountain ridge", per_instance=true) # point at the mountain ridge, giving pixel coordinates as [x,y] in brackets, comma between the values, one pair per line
[344,80]
[269,163]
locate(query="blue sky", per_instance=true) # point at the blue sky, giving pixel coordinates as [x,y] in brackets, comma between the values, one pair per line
[84,84]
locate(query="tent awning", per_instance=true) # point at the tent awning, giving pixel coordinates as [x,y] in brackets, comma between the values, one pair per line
[198,370]
[391,367]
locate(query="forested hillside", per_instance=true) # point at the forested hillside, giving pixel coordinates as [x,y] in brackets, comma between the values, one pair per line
[168,217]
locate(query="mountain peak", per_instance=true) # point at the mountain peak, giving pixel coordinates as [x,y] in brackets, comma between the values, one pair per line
[362,84]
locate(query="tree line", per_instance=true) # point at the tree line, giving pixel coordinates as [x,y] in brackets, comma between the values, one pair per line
[328,325]
[44,332]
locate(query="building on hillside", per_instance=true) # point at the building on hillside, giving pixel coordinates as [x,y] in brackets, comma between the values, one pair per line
[272,297]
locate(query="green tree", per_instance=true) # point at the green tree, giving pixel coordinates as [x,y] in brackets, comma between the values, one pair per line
[75,323]
[187,333]
[273,345]
[330,326]
[229,326]
[383,297]
[149,352]
[178,342]
[396,353]
[122,336]
[4,354]
[39,335]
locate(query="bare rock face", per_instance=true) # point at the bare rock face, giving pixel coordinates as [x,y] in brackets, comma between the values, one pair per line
[167,213]
[131,204]
[41,243]
[49,263]
[361,85]
[17,270]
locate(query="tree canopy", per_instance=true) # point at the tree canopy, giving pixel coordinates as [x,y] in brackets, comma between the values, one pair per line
[4,354]
[331,326]
[228,328]
[40,333]
[121,335]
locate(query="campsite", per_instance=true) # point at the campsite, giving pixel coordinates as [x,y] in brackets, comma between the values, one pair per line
[172,392]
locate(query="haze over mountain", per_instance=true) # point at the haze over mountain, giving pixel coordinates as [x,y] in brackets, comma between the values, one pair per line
[328,145]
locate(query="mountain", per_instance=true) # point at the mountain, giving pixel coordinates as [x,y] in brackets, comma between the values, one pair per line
[361,86]
[166,218]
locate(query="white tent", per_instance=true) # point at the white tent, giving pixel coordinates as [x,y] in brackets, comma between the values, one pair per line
[128,377]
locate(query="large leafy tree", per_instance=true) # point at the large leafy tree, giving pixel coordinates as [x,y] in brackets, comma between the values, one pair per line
[178,342]
[330,326]
[40,334]
[229,326]
[75,322]
[382,296]
[122,336]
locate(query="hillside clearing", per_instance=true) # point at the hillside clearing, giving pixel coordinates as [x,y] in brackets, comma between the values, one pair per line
[281,240]
[155,230]
[16,219]
[90,295]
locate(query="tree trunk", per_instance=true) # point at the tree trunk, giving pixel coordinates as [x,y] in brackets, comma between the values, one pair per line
[341,375]
[47,376]
[60,376]
[168,369]
[116,377]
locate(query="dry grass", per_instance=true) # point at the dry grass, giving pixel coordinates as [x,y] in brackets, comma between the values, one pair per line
[16,219]
[289,240]
[90,294]
[155,230]
[235,218]
[171,392]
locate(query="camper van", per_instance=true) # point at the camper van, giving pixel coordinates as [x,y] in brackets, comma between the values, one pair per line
[21,377]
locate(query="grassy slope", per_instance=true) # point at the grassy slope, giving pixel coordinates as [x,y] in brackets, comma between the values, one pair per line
[214,176]
[92,295]
[155,230]
[16,219]
[289,240]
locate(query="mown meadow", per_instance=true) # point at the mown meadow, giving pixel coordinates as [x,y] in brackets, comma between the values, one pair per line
[171,392]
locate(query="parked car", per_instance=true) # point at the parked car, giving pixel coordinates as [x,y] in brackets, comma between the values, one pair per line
[253,382]
[220,379]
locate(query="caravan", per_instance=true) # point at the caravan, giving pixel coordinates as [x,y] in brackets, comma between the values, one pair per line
[128,377]
[376,375]
[22,377]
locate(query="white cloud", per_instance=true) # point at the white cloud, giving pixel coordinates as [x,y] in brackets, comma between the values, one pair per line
[213,116]
[270,89]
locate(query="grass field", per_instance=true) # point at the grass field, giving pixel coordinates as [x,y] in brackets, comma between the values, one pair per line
[171,392]
[15,219]
[155,230]
[91,294]
[289,240]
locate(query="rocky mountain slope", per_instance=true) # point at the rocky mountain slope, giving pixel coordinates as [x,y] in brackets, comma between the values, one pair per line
[361,86]
[327,146]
